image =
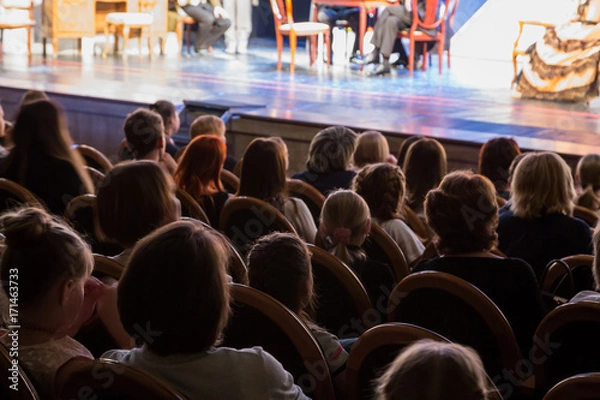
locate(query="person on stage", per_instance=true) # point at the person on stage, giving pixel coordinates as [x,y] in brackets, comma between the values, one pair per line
[236,37]
[385,31]
[331,15]
[212,20]
[563,65]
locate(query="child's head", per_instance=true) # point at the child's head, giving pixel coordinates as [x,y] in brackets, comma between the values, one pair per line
[207,125]
[429,370]
[371,148]
[175,285]
[199,169]
[50,264]
[279,265]
[169,115]
[144,131]
[382,187]
[264,168]
[134,199]
[345,220]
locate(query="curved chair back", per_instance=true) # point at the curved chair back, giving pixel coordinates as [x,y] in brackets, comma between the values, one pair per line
[231,183]
[341,297]
[97,176]
[579,387]
[414,223]
[458,310]
[190,207]
[106,266]
[94,158]
[379,246]
[566,342]
[587,215]
[260,320]
[568,276]
[245,219]
[13,374]
[312,197]
[125,382]
[13,195]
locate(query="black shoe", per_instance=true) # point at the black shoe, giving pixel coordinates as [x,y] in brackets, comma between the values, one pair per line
[381,70]
[371,58]
[400,62]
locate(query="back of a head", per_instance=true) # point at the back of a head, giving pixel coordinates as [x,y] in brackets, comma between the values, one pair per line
[134,199]
[175,285]
[424,167]
[263,173]
[207,125]
[588,176]
[404,146]
[371,148]
[41,251]
[279,265]
[495,158]
[199,168]
[429,370]
[382,186]
[463,212]
[166,110]
[331,150]
[596,265]
[31,96]
[542,184]
[143,130]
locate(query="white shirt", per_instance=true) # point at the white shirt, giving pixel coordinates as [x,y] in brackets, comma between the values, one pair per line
[407,240]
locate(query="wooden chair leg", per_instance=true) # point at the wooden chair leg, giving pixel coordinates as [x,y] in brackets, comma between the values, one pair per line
[279,39]
[179,33]
[411,58]
[188,37]
[448,57]
[313,43]
[140,41]
[424,63]
[126,31]
[440,55]
[44,52]
[163,42]
[55,47]
[150,40]
[293,43]
[29,36]
[328,48]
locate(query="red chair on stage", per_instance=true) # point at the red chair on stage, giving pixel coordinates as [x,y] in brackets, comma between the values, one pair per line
[431,21]
[285,26]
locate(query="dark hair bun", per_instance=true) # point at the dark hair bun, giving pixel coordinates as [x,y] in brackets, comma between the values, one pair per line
[25,226]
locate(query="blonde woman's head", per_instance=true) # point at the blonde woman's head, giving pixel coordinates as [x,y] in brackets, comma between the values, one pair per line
[371,148]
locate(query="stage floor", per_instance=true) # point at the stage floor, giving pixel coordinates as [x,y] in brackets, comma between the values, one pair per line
[472,101]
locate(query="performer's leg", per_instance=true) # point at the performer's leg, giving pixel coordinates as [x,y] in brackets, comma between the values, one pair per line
[203,14]
[231,42]
[243,24]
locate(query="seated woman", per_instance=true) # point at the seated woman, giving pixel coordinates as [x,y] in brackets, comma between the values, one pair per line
[199,174]
[463,213]
[42,159]
[45,266]
[382,187]
[372,148]
[428,370]
[263,176]
[329,157]
[185,310]
[345,223]
[495,158]
[564,64]
[538,225]
[587,181]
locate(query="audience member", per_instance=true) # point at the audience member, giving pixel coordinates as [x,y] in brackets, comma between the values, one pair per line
[212,21]
[404,146]
[145,134]
[134,199]
[329,157]
[345,224]
[31,96]
[495,158]
[45,266]
[263,176]
[199,174]
[4,132]
[212,125]
[539,227]
[463,213]
[171,122]
[587,179]
[279,265]
[592,295]
[187,308]
[371,148]
[429,370]
[382,186]
[42,159]
[236,37]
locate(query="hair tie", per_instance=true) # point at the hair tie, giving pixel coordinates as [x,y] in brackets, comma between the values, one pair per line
[342,235]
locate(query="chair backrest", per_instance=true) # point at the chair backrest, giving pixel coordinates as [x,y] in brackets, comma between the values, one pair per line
[414,223]
[501,201]
[312,197]
[245,219]
[587,215]
[568,276]
[282,12]
[190,207]
[15,384]
[97,176]
[565,343]
[231,183]
[80,213]
[94,158]
[374,350]
[260,320]
[107,379]
[431,19]
[13,195]
[579,387]
[379,246]
[458,310]
[106,266]
[342,300]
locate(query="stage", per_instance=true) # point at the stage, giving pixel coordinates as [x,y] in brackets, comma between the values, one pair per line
[464,107]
